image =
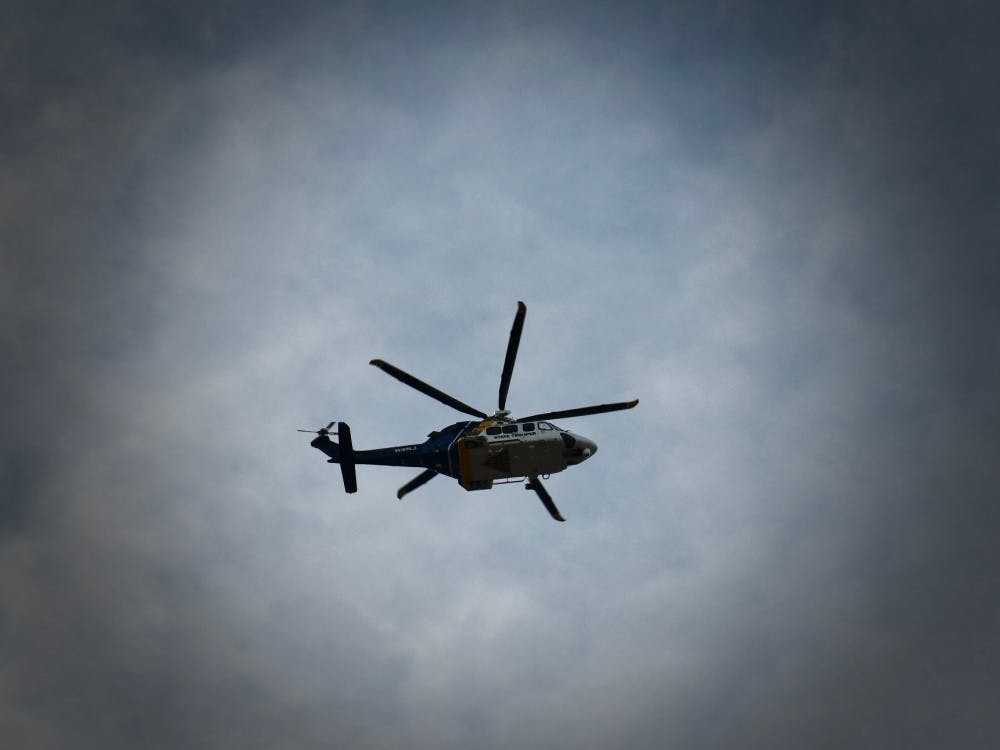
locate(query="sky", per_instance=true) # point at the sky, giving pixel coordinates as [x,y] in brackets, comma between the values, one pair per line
[774,224]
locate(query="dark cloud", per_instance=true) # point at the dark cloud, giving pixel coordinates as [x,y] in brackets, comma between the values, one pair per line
[774,226]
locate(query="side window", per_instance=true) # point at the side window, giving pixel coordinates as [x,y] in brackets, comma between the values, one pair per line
[509,428]
[492,430]
[544,426]
[528,427]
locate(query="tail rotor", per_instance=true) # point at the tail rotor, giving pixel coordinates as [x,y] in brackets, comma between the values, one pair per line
[322,431]
[341,452]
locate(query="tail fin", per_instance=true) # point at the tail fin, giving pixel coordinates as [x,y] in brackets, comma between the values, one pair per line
[342,454]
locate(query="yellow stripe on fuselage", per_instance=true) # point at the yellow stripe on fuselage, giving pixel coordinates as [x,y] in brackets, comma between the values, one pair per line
[483,425]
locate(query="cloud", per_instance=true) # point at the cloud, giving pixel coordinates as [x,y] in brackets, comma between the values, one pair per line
[769,227]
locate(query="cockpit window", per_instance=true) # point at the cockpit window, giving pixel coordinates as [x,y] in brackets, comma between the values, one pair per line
[509,428]
[544,426]
[492,430]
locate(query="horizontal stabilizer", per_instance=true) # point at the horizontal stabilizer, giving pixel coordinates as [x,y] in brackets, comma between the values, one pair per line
[342,454]
[347,458]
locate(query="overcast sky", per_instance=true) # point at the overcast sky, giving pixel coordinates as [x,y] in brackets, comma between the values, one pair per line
[776,227]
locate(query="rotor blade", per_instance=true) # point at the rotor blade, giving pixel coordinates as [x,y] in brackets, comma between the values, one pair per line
[543,495]
[321,430]
[444,398]
[512,344]
[581,412]
[417,481]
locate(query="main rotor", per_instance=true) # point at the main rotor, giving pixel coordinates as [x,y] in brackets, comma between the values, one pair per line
[502,414]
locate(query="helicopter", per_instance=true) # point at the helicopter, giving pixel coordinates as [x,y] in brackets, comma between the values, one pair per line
[494,449]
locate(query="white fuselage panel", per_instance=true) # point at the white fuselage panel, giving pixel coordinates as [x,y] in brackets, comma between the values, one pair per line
[487,458]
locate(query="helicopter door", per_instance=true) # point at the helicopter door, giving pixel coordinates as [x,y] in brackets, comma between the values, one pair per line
[473,455]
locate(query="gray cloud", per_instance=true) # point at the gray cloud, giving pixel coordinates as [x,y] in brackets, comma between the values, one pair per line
[774,228]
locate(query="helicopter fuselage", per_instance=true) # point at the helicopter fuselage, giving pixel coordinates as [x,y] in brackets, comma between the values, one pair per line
[477,454]
[496,448]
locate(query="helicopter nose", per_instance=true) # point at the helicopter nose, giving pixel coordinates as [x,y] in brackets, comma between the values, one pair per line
[589,447]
